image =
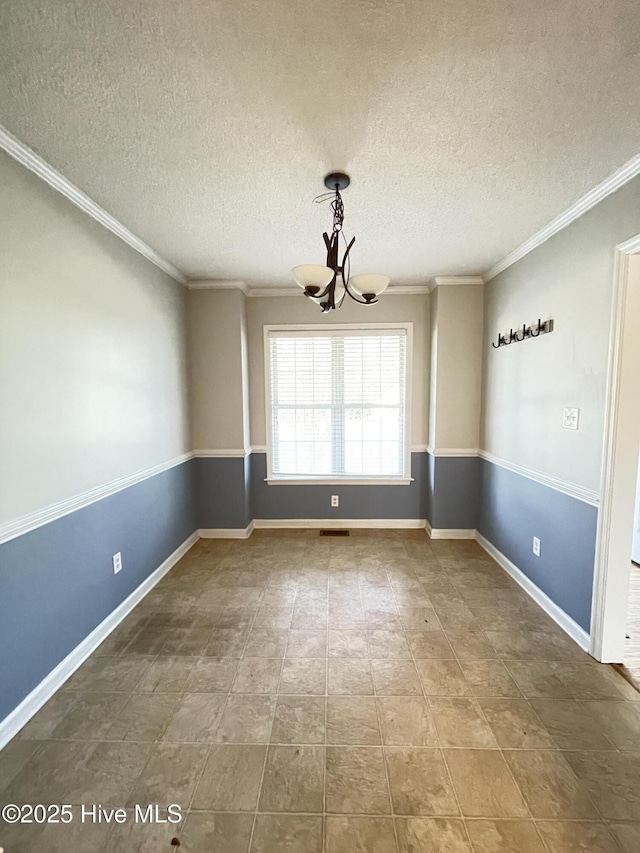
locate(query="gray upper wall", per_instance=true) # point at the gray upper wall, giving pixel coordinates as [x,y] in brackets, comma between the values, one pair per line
[526,386]
[93,360]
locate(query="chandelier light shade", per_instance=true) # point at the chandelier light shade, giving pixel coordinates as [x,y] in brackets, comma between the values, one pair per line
[328,285]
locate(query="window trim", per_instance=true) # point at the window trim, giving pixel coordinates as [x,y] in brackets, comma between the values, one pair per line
[332,480]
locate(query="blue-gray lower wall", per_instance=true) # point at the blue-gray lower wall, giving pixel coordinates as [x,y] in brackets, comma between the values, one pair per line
[355,501]
[222,492]
[513,509]
[452,492]
[57,582]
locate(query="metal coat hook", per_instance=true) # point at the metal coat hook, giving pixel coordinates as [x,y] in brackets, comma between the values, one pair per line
[532,331]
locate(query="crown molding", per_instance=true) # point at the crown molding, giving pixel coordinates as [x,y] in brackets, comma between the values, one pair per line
[618,179]
[392,290]
[274,291]
[215,284]
[32,161]
[454,280]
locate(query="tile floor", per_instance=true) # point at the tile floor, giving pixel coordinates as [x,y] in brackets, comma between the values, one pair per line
[381,693]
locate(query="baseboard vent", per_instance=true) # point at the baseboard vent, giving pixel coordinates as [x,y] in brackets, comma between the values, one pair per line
[334,533]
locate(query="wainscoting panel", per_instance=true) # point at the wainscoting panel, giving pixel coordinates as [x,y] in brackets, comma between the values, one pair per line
[514,508]
[57,582]
[314,501]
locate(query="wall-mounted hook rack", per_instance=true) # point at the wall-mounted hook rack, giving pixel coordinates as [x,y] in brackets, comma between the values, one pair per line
[532,331]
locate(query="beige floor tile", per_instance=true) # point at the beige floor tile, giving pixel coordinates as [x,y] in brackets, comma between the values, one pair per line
[549,785]
[143,718]
[91,717]
[442,678]
[47,718]
[612,780]
[299,719]
[419,619]
[537,680]
[246,719]
[388,644]
[576,837]
[108,773]
[77,836]
[470,771]
[211,675]
[589,680]
[141,837]
[13,758]
[287,834]
[257,675]
[460,722]
[395,678]
[186,641]
[356,781]
[303,676]
[170,774]
[470,645]
[349,676]
[406,721]
[489,678]
[513,644]
[348,644]
[505,836]
[203,831]
[619,721]
[307,644]
[431,835]
[195,718]
[627,835]
[560,717]
[231,778]
[167,675]
[266,643]
[515,724]
[419,782]
[360,835]
[226,643]
[352,720]
[429,644]
[293,779]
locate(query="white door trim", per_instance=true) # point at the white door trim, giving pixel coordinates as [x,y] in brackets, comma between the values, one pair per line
[620,458]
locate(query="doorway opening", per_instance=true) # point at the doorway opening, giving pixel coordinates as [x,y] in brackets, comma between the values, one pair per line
[615,635]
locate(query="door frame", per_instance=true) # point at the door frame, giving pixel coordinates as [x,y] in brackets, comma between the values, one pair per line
[620,457]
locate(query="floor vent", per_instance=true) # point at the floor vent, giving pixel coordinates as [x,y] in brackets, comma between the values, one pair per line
[334,533]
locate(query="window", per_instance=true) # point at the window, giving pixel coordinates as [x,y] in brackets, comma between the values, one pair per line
[337,402]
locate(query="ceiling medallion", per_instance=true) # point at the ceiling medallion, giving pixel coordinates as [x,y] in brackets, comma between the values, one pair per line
[328,285]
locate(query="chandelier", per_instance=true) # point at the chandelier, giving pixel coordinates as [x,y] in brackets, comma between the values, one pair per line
[328,285]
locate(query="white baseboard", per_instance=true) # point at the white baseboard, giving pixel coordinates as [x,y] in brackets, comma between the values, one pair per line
[226,532]
[32,703]
[340,523]
[578,634]
[452,533]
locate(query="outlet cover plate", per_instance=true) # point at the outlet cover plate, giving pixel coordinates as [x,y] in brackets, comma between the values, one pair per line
[536,546]
[335,500]
[570,418]
[117,562]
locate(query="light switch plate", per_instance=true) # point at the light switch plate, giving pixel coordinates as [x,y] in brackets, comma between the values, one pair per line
[570,418]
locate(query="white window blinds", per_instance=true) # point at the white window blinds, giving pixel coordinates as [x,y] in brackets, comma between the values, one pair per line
[338,403]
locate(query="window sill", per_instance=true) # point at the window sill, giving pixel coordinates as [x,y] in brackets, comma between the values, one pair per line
[338,481]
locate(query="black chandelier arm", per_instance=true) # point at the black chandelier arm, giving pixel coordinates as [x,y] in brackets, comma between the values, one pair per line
[355,298]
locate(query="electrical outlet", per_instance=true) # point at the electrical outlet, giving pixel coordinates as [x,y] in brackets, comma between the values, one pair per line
[335,500]
[117,563]
[570,418]
[536,546]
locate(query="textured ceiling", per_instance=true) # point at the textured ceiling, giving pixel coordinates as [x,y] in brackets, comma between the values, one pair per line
[206,127]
